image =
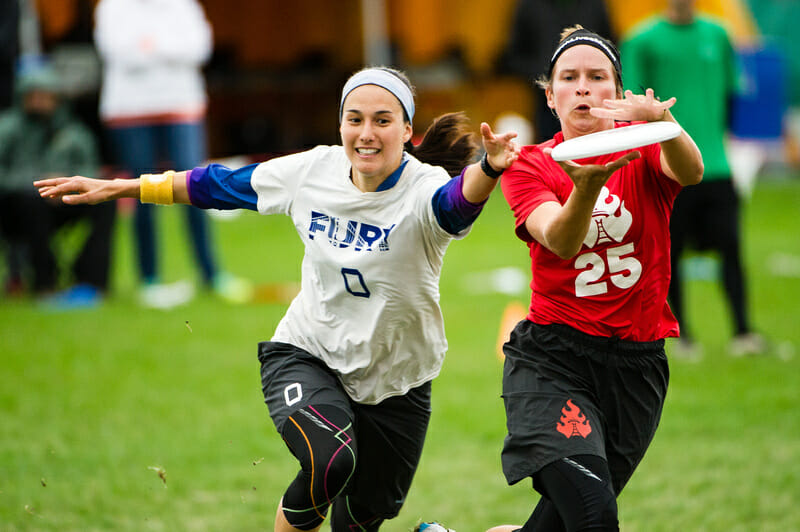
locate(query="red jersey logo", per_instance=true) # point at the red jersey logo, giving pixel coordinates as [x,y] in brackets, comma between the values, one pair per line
[573,422]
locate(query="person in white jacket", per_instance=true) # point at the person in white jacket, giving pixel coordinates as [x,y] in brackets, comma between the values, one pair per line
[153,104]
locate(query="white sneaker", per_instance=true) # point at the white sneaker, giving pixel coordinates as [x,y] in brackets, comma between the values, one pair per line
[432,527]
[166,296]
[748,344]
[233,289]
[686,350]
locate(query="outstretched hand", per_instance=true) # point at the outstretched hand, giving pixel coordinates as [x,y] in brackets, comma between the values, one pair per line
[634,107]
[80,190]
[501,150]
[591,177]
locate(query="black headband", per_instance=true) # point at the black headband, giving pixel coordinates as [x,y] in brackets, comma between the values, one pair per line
[584,36]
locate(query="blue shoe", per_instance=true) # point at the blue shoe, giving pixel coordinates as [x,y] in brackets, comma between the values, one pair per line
[432,527]
[79,296]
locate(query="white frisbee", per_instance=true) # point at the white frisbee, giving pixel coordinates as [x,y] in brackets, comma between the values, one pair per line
[614,140]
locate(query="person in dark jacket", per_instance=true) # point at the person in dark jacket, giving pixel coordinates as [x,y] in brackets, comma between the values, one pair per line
[39,135]
[534,32]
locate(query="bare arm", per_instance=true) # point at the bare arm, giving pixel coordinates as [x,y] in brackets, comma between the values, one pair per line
[80,190]
[680,157]
[562,228]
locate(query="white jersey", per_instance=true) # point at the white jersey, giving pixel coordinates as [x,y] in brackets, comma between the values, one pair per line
[369,300]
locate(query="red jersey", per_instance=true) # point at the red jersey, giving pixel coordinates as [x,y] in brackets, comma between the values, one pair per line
[617,283]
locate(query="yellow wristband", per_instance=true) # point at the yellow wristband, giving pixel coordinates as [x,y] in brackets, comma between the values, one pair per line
[156,188]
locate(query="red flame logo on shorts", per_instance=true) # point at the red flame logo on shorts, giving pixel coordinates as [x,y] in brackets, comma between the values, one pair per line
[573,422]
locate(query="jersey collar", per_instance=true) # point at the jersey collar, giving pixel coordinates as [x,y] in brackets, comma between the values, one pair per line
[394,177]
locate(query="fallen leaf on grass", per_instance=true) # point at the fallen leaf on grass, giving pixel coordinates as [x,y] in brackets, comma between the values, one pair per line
[162,474]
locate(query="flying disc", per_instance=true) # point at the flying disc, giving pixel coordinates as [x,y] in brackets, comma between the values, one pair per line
[614,140]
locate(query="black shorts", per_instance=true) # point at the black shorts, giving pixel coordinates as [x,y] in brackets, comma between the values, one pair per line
[568,393]
[389,436]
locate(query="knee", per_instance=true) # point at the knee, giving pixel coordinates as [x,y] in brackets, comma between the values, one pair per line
[334,469]
[322,441]
[601,516]
[580,490]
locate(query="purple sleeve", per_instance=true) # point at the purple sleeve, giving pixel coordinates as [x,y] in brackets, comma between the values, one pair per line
[218,187]
[452,210]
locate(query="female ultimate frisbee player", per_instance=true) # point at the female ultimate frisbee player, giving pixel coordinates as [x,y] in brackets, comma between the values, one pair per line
[585,373]
[347,374]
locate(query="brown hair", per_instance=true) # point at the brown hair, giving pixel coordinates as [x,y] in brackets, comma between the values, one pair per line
[545,80]
[448,142]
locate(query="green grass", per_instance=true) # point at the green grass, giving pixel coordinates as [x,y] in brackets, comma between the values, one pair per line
[93,402]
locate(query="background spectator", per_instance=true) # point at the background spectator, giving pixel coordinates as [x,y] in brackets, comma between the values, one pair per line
[691,57]
[535,29]
[40,136]
[153,103]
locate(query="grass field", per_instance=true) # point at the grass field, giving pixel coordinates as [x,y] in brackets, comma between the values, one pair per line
[97,406]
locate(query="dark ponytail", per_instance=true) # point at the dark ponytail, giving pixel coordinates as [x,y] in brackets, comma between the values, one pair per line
[448,142]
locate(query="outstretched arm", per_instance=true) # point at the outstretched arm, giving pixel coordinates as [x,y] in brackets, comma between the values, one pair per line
[169,187]
[457,203]
[562,228]
[501,151]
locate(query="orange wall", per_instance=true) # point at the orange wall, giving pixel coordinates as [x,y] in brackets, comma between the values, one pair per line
[276,33]
[426,30]
[273,33]
[625,14]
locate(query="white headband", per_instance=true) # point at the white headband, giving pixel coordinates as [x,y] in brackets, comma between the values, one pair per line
[381,78]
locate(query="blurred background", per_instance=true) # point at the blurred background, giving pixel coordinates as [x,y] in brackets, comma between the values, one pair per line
[119,417]
[272,59]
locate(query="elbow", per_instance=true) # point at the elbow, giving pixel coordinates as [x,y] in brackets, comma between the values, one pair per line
[689,174]
[565,252]
[564,244]
[695,175]
[567,255]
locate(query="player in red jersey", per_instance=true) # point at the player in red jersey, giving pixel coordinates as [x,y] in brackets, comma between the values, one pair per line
[585,373]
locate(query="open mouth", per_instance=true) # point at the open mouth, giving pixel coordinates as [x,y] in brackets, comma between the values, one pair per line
[367,151]
[583,107]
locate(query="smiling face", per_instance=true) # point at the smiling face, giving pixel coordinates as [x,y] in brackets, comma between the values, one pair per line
[582,78]
[373,131]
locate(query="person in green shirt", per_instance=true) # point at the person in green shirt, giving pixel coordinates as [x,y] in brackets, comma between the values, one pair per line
[691,57]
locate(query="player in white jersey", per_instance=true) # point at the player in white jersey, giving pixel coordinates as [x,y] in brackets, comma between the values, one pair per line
[346,375]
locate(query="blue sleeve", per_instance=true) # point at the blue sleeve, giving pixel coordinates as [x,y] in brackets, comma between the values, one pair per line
[452,210]
[218,187]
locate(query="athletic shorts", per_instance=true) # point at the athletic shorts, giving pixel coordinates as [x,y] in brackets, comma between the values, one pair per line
[389,436]
[568,393]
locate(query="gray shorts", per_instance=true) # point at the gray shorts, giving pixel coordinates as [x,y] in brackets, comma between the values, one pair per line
[568,393]
[389,435]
